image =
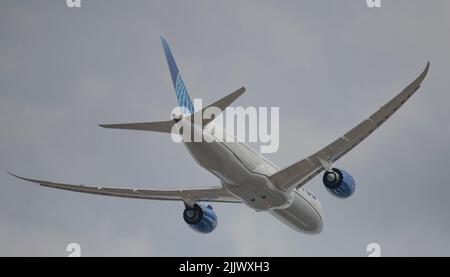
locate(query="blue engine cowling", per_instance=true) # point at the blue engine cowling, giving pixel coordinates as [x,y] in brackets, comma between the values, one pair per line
[339,183]
[200,218]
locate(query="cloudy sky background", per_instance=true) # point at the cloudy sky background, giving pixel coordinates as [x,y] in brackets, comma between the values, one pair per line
[326,64]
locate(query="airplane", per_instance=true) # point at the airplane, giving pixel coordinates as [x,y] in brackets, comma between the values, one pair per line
[245,175]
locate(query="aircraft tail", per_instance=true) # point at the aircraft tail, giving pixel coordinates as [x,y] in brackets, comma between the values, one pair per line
[184,101]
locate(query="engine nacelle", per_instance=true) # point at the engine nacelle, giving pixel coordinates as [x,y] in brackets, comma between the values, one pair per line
[200,218]
[339,183]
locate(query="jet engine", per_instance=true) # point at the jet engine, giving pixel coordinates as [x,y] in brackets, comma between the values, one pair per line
[200,218]
[339,183]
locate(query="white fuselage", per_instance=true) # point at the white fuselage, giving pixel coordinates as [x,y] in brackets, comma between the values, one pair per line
[245,174]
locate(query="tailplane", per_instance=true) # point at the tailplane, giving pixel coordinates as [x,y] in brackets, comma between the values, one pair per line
[167,126]
[160,126]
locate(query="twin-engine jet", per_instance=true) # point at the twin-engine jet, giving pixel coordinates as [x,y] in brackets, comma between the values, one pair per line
[245,175]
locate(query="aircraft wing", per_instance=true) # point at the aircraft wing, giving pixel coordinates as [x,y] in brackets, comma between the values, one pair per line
[301,172]
[189,195]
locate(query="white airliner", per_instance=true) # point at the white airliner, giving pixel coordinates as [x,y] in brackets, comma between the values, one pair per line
[245,175]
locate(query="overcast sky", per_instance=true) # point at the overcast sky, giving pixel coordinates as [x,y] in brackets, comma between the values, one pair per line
[327,64]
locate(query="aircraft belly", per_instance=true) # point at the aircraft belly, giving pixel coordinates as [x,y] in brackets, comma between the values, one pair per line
[300,215]
[208,155]
[253,189]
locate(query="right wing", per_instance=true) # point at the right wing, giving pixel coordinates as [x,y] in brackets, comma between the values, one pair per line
[301,172]
[189,195]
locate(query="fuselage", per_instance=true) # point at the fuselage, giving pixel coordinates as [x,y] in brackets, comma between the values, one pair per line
[244,173]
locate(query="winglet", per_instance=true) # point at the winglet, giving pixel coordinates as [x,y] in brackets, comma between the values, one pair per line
[23,178]
[424,73]
[12,174]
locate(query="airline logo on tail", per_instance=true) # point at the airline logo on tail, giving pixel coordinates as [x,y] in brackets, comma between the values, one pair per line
[182,95]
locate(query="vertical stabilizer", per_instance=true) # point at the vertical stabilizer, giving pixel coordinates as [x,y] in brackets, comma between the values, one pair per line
[184,101]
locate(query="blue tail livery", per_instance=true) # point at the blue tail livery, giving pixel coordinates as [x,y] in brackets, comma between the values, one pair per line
[180,89]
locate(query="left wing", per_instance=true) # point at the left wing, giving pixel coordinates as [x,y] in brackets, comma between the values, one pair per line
[301,172]
[189,196]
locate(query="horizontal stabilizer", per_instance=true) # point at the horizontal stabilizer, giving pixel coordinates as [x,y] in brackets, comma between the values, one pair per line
[222,104]
[166,126]
[160,126]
